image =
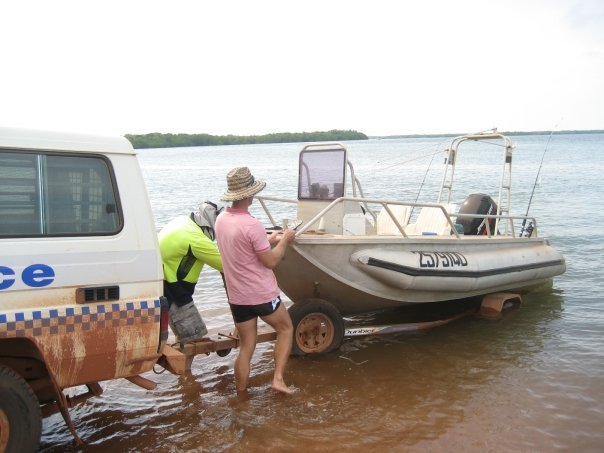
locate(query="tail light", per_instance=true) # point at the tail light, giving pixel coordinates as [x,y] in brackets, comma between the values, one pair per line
[163,321]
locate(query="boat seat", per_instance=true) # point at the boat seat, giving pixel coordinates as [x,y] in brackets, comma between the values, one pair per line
[431,220]
[386,226]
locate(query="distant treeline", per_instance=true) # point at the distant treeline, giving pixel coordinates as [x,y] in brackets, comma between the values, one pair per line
[510,133]
[157,140]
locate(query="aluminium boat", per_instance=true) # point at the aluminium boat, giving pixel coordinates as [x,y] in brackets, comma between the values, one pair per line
[355,254]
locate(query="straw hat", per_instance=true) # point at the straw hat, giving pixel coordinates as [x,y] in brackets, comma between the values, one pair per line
[241,184]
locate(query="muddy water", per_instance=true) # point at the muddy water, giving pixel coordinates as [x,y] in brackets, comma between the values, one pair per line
[531,381]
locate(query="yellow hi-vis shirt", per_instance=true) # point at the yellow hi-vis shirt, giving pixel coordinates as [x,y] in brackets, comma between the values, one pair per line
[184,250]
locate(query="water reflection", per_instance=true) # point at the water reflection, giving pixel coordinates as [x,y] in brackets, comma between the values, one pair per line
[389,392]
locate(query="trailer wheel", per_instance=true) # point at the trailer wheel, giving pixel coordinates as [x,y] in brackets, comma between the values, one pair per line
[223,352]
[318,327]
[20,416]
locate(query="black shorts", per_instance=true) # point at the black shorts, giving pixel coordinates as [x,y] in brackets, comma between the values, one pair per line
[242,313]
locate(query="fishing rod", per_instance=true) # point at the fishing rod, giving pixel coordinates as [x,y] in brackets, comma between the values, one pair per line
[529,229]
[424,180]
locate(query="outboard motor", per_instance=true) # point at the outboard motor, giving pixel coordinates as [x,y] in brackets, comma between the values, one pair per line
[477,203]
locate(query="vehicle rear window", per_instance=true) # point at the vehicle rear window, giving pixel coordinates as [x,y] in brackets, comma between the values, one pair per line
[56,195]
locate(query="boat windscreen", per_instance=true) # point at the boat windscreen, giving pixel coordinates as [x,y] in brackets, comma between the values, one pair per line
[321,174]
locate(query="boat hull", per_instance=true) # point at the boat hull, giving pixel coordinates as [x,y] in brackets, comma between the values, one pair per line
[361,274]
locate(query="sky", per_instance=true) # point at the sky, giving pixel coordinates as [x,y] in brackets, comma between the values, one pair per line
[256,67]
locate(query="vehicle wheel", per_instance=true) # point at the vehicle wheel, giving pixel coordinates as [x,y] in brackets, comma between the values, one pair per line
[20,416]
[318,327]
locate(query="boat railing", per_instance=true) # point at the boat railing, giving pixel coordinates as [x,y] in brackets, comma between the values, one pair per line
[262,199]
[508,220]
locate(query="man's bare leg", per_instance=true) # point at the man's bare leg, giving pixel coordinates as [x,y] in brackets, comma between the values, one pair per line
[247,334]
[282,323]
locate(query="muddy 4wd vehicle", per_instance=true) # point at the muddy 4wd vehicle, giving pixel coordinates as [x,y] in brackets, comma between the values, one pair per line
[80,276]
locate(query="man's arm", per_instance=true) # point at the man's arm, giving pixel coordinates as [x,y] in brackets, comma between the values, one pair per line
[272,257]
[207,252]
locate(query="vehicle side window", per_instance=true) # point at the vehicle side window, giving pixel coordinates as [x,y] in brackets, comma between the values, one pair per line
[56,195]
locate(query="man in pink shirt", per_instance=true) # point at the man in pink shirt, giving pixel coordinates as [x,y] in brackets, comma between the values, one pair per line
[248,257]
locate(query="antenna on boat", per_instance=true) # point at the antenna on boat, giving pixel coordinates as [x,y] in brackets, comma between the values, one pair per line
[529,229]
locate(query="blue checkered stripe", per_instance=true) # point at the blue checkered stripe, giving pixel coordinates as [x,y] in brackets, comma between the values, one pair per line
[78,318]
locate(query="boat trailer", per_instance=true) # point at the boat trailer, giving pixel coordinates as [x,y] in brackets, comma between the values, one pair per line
[312,333]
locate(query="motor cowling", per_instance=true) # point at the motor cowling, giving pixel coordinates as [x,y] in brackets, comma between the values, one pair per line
[477,203]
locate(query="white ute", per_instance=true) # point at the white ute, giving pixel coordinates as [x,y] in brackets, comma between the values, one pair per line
[80,276]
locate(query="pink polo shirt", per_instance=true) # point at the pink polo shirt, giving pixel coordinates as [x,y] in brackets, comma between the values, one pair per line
[240,238]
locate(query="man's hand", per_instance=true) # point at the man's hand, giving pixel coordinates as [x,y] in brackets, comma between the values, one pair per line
[274,238]
[271,257]
[286,235]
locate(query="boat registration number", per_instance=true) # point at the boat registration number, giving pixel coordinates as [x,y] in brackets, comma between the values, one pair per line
[441,259]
